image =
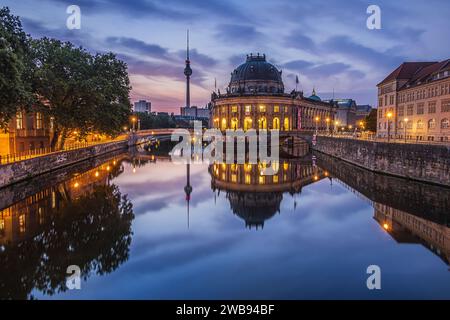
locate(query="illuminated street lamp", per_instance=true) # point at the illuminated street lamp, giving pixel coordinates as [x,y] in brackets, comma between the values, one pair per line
[336,126]
[389,116]
[133,119]
[406,123]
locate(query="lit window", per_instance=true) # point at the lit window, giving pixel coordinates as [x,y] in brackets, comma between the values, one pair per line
[248,179]
[22,223]
[445,124]
[39,123]
[262,108]
[262,179]
[276,109]
[275,179]
[248,108]
[234,109]
[19,120]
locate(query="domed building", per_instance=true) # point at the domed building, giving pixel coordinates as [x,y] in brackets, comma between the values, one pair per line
[255,99]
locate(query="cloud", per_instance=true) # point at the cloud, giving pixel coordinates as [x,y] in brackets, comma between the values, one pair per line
[139,47]
[299,41]
[238,33]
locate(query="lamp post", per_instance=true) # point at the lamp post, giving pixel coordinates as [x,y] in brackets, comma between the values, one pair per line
[336,126]
[134,123]
[389,116]
[317,124]
[406,123]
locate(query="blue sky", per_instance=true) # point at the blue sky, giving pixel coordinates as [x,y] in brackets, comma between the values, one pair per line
[325,42]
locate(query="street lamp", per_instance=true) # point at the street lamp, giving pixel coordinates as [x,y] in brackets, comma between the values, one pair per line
[134,123]
[406,123]
[389,116]
[317,124]
[336,126]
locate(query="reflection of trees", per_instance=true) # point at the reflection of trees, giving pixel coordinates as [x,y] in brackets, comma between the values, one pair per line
[92,231]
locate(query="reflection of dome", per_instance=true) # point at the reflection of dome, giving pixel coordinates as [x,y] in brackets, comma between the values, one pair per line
[255,207]
[314,96]
[256,75]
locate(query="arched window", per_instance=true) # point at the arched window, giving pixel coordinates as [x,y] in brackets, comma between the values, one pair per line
[286,123]
[445,123]
[262,123]
[431,124]
[224,124]
[419,124]
[247,123]
[276,123]
[234,123]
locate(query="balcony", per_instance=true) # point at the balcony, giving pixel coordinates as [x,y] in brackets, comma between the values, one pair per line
[24,133]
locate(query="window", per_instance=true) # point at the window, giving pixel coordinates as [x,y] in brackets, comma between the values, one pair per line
[419,124]
[262,108]
[410,110]
[39,123]
[19,120]
[380,102]
[248,109]
[445,123]
[431,124]
[391,99]
[445,106]
[401,111]
[285,109]
[22,220]
[400,124]
[420,107]
[234,109]
[409,125]
[276,109]
[432,107]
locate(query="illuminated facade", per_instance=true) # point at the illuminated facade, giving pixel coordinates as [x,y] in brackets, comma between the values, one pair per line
[415,100]
[26,132]
[255,99]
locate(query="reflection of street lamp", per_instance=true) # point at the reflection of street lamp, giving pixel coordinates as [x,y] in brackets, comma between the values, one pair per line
[389,116]
[317,124]
[406,123]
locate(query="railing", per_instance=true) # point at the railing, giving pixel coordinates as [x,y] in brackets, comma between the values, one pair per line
[14,157]
[373,137]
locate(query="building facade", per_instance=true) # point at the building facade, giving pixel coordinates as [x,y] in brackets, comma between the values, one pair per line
[27,132]
[195,112]
[414,102]
[255,99]
[142,106]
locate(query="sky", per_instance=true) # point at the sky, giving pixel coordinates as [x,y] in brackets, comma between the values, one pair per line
[326,43]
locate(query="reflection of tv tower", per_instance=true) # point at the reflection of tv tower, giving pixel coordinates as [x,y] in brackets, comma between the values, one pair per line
[188,73]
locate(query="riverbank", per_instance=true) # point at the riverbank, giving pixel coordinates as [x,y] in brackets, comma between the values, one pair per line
[426,163]
[26,169]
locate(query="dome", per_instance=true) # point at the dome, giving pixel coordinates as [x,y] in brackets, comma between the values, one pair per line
[314,96]
[256,75]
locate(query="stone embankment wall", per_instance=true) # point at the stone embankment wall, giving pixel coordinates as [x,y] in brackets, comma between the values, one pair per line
[422,162]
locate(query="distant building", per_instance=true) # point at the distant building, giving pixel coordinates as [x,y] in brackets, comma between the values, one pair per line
[142,106]
[415,100]
[346,112]
[195,112]
[362,111]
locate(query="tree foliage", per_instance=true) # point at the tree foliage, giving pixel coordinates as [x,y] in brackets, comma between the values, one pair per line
[80,91]
[15,84]
[371,121]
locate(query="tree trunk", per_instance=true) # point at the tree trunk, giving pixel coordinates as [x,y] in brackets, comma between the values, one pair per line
[54,140]
[63,139]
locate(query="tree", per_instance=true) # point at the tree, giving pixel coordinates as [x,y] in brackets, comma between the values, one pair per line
[15,85]
[371,121]
[79,91]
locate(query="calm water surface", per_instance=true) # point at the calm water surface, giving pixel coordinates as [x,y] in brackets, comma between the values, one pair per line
[309,232]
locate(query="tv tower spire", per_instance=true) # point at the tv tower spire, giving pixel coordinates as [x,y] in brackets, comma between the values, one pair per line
[188,73]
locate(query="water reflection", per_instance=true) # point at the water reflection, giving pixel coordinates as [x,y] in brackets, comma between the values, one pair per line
[84,221]
[80,215]
[255,197]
